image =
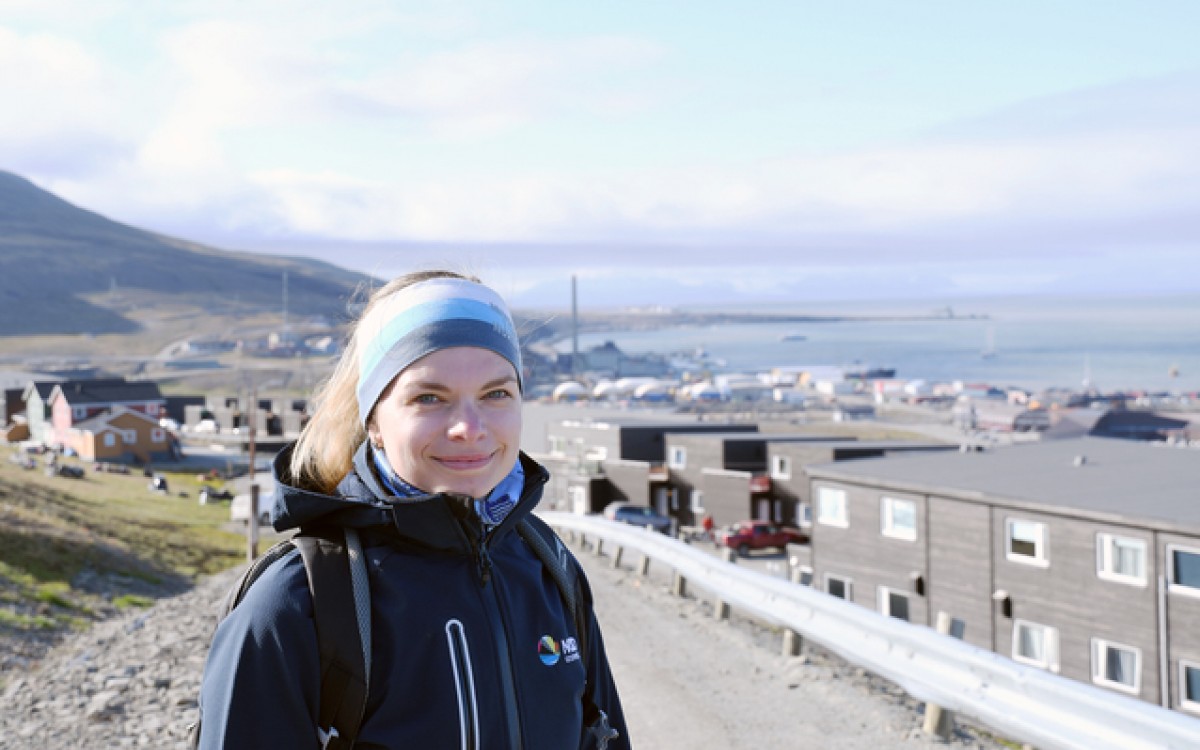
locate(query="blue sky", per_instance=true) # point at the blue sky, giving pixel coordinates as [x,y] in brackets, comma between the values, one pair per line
[665,152]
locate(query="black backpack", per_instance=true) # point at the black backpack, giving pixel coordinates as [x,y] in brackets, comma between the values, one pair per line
[337,579]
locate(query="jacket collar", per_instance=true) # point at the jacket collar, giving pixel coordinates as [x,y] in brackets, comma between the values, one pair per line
[438,521]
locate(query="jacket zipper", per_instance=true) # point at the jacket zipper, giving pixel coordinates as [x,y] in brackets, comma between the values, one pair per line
[464,681]
[484,567]
[508,684]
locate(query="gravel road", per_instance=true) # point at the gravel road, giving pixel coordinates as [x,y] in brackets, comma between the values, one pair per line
[687,680]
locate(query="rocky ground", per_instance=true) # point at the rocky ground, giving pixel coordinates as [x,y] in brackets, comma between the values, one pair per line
[687,680]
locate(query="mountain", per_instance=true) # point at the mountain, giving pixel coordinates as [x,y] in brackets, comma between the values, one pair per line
[66,270]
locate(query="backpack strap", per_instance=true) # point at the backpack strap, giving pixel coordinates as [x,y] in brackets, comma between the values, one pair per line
[563,568]
[233,597]
[237,592]
[337,578]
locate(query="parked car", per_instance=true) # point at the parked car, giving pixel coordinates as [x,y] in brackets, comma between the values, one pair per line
[637,515]
[65,470]
[745,536]
[239,509]
[212,494]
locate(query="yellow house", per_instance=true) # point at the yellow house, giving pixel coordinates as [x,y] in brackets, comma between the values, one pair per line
[119,435]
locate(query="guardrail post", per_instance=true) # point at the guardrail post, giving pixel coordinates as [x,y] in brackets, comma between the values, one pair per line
[678,585]
[616,561]
[721,608]
[644,566]
[792,642]
[938,720]
[599,551]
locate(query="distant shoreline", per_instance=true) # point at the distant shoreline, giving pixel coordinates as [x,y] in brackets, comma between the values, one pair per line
[558,328]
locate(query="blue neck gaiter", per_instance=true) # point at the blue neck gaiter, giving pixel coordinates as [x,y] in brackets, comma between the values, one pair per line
[491,509]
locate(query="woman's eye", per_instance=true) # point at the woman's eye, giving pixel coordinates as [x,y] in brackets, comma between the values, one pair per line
[426,398]
[499,393]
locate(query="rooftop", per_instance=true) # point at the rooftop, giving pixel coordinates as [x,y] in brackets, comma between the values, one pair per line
[1102,478]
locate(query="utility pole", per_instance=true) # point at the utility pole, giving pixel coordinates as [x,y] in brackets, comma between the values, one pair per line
[285,310]
[574,330]
[252,526]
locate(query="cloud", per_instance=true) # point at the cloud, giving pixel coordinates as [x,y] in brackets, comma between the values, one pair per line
[488,87]
[62,115]
[184,141]
[1088,184]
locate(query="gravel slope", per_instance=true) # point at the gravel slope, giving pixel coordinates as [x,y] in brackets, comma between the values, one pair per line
[687,680]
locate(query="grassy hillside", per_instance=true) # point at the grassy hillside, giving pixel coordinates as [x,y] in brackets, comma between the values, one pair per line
[73,551]
[71,271]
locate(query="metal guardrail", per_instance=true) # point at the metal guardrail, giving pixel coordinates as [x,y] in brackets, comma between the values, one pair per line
[1024,703]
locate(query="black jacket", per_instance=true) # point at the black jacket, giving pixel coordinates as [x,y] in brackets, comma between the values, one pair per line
[469,635]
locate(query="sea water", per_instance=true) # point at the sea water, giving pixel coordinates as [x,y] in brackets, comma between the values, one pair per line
[1121,343]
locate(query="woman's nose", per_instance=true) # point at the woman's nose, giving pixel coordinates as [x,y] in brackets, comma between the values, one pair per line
[466,423]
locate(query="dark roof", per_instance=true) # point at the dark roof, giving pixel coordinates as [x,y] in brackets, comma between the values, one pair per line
[104,419]
[843,444]
[1111,423]
[43,387]
[1101,478]
[765,437]
[109,391]
[626,422]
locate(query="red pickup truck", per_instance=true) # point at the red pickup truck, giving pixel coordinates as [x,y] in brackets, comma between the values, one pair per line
[744,536]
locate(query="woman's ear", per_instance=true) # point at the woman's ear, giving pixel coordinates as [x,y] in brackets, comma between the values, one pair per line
[374,436]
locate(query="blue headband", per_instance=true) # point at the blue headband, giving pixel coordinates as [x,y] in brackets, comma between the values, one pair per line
[423,318]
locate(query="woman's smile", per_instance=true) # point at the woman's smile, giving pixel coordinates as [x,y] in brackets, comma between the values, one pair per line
[451,421]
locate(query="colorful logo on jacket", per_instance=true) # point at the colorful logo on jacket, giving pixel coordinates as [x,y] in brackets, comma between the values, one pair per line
[548,651]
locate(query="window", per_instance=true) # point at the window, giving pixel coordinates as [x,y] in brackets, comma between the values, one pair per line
[110,440]
[781,467]
[1189,686]
[804,515]
[1121,559]
[596,453]
[805,575]
[678,458]
[898,518]
[1183,571]
[129,436]
[1026,542]
[1035,644]
[1116,666]
[697,500]
[79,412]
[577,496]
[842,588]
[831,507]
[893,603]
[157,435]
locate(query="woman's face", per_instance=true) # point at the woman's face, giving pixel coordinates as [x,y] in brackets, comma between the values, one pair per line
[451,422]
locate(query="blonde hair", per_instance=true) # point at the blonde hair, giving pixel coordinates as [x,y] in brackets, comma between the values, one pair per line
[324,454]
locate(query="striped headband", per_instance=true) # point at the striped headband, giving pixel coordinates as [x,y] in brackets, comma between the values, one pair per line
[422,318]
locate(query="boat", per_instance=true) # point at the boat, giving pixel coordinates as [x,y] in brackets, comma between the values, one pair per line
[863,372]
[793,337]
[989,351]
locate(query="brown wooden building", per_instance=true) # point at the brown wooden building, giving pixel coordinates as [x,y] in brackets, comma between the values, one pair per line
[1078,556]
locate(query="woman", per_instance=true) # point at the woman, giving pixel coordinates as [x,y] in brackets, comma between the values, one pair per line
[417,432]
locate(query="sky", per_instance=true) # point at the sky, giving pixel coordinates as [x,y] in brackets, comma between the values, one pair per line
[664,152]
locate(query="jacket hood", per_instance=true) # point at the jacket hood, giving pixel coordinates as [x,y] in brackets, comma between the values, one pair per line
[362,501]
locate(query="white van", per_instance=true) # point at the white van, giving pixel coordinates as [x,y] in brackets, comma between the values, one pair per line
[239,507]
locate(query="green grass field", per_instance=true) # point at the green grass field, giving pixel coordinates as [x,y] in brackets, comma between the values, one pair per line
[75,550]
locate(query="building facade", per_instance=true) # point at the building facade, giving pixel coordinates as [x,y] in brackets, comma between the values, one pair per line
[1081,557]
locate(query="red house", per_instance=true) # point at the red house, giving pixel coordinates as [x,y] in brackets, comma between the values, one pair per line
[76,401]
